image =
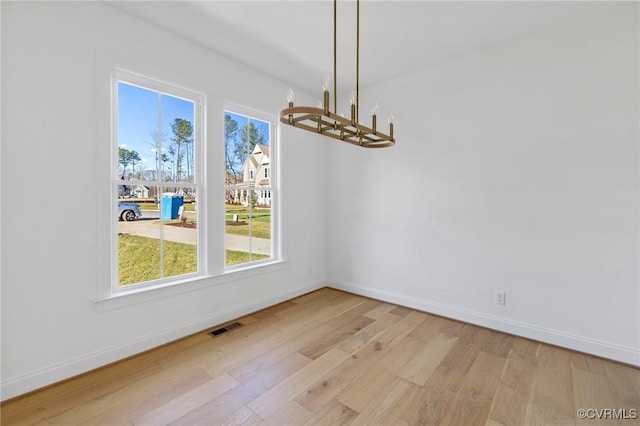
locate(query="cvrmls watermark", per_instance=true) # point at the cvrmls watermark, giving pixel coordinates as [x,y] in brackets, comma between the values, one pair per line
[608,413]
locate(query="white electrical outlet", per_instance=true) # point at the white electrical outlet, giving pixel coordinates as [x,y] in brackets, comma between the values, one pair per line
[500,298]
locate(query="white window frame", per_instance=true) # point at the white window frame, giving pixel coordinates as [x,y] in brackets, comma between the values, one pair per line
[198,99]
[274,186]
[211,228]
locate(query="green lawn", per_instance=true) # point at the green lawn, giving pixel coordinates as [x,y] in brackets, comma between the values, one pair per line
[139,258]
[238,257]
[260,220]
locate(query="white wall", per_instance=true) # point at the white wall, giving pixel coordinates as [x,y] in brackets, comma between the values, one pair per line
[51,329]
[515,169]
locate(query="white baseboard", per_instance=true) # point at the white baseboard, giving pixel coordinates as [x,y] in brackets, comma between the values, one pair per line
[608,350]
[26,383]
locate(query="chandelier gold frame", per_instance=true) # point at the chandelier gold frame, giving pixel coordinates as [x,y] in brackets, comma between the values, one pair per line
[321,120]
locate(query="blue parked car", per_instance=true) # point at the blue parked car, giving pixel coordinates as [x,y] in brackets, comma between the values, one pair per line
[128,211]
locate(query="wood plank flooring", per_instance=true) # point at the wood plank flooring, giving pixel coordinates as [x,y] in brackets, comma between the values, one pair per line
[333,358]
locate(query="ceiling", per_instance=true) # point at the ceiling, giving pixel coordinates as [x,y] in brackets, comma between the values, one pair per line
[293,40]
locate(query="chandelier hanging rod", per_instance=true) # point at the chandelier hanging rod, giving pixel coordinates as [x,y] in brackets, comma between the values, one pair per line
[357,60]
[321,120]
[335,57]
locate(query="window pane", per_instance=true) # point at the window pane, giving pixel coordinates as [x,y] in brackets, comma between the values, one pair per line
[178,128]
[179,235]
[247,229]
[155,135]
[248,190]
[137,131]
[237,231]
[138,241]
[261,224]
[157,185]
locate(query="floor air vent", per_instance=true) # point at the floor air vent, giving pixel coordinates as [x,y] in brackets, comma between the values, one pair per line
[222,330]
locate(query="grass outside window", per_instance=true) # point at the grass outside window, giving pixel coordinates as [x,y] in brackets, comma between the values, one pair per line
[139,258]
[260,217]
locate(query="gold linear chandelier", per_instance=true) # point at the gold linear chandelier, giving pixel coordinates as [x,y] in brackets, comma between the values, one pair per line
[329,123]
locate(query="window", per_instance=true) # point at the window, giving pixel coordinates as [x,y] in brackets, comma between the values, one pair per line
[156,180]
[249,212]
[266,172]
[161,204]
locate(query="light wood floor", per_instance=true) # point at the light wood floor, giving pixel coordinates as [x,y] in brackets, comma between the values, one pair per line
[334,358]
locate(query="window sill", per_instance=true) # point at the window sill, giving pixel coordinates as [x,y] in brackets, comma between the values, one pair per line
[145,294]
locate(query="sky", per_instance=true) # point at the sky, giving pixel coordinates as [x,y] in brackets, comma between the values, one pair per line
[138,112]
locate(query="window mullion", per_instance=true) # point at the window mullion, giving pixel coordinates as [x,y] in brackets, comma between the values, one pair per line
[161,190]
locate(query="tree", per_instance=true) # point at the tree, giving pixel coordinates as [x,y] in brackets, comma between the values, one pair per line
[182,136]
[189,157]
[157,142]
[230,142]
[164,158]
[172,154]
[134,158]
[148,174]
[124,159]
[250,137]
[242,146]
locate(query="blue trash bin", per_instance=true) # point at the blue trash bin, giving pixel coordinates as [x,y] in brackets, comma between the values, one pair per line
[171,203]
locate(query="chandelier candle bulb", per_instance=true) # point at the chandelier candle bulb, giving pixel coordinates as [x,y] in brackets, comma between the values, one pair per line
[326,84]
[325,90]
[290,97]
